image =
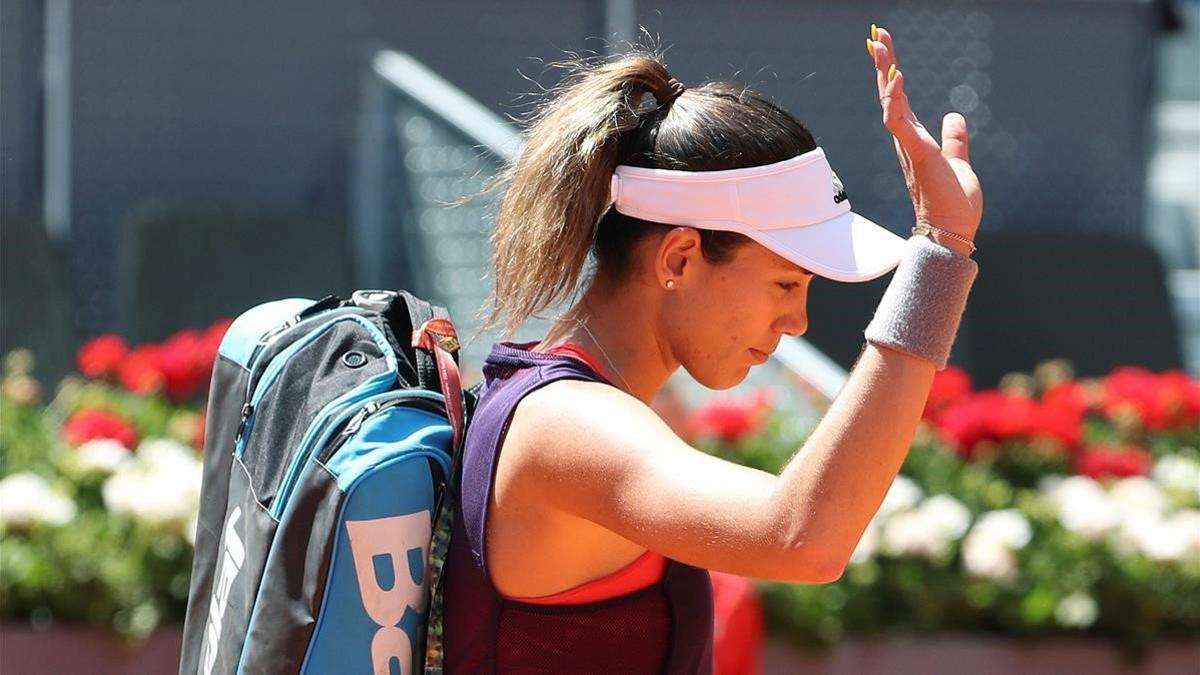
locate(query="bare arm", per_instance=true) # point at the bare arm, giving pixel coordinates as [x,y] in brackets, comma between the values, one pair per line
[832,488]
[643,482]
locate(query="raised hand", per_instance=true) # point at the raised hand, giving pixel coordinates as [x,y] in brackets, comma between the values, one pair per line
[944,189]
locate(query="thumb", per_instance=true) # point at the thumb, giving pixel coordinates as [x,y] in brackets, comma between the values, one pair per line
[955,143]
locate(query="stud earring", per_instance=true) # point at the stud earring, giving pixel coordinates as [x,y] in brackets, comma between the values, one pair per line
[670,284]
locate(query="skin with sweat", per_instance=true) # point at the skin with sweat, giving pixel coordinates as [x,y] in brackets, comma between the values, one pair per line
[589,477]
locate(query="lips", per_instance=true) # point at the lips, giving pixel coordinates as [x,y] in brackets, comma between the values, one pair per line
[759,356]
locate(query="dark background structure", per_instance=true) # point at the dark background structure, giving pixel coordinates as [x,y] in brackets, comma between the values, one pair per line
[168,163]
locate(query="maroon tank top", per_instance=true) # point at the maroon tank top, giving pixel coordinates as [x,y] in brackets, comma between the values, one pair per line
[664,628]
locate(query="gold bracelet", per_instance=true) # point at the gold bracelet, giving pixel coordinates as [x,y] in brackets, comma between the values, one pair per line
[925,229]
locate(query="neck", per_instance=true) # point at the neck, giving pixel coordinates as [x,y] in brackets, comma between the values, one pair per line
[623,337]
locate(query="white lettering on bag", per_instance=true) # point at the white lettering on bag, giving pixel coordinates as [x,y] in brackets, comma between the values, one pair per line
[230,564]
[393,537]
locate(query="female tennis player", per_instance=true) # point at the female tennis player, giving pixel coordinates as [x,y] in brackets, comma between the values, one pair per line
[585,527]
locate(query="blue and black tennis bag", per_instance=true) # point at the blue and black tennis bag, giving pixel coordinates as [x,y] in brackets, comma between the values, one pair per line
[331,445]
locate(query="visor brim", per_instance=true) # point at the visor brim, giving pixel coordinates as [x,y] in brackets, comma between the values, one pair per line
[847,248]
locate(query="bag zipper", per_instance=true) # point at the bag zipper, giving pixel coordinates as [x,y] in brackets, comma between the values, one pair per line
[266,340]
[356,411]
[277,364]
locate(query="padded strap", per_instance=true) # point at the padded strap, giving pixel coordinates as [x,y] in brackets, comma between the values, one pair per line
[419,312]
[438,337]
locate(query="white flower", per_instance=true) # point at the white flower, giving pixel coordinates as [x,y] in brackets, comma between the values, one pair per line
[927,530]
[122,488]
[867,544]
[161,488]
[1008,526]
[988,557]
[1057,488]
[164,454]
[146,496]
[988,551]
[1161,539]
[102,455]
[27,499]
[1138,495]
[907,534]
[1186,523]
[189,530]
[1048,485]
[1083,506]
[903,494]
[1175,472]
[1077,610]
[947,515]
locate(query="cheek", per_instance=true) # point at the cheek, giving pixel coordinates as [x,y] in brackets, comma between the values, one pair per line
[731,323]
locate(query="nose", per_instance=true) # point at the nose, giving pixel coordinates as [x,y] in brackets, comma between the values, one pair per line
[793,317]
[793,323]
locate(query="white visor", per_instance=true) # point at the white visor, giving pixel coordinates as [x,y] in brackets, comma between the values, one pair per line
[796,208]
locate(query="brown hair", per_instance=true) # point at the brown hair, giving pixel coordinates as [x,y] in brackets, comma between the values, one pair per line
[553,213]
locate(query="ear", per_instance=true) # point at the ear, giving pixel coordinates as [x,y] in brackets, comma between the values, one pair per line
[677,255]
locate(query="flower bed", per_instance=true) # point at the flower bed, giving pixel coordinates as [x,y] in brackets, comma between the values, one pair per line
[99,486]
[1049,508]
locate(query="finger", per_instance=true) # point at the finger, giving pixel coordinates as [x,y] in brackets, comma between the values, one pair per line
[882,35]
[955,141]
[883,62]
[899,119]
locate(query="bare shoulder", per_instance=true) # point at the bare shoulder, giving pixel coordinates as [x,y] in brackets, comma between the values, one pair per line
[582,445]
[578,414]
[565,404]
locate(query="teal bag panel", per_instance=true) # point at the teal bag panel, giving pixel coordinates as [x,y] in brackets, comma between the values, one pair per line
[244,333]
[374,610]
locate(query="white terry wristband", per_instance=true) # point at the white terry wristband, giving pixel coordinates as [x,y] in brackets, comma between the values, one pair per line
[922,306]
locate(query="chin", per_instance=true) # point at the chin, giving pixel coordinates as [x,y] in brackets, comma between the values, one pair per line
[723,380]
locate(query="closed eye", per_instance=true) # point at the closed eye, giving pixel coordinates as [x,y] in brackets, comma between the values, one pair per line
[787,286]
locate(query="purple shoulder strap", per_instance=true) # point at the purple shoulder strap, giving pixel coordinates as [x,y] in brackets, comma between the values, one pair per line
[511,373]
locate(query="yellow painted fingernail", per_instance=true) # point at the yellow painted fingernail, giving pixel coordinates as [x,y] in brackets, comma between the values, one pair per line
[870,49]
[892,73]
[874,32]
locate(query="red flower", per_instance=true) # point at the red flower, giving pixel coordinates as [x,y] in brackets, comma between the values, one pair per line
[92,423]
[1182,396]
[101,357]
[1061,424]
[1000,416]
[1070,396]
[1159,401]
[1061,413]
[965,423]
[184,364]
[730,419]
[141,372]
[950,385]
[1099,461]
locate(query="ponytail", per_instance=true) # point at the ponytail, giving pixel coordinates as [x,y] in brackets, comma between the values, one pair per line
[558,187]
